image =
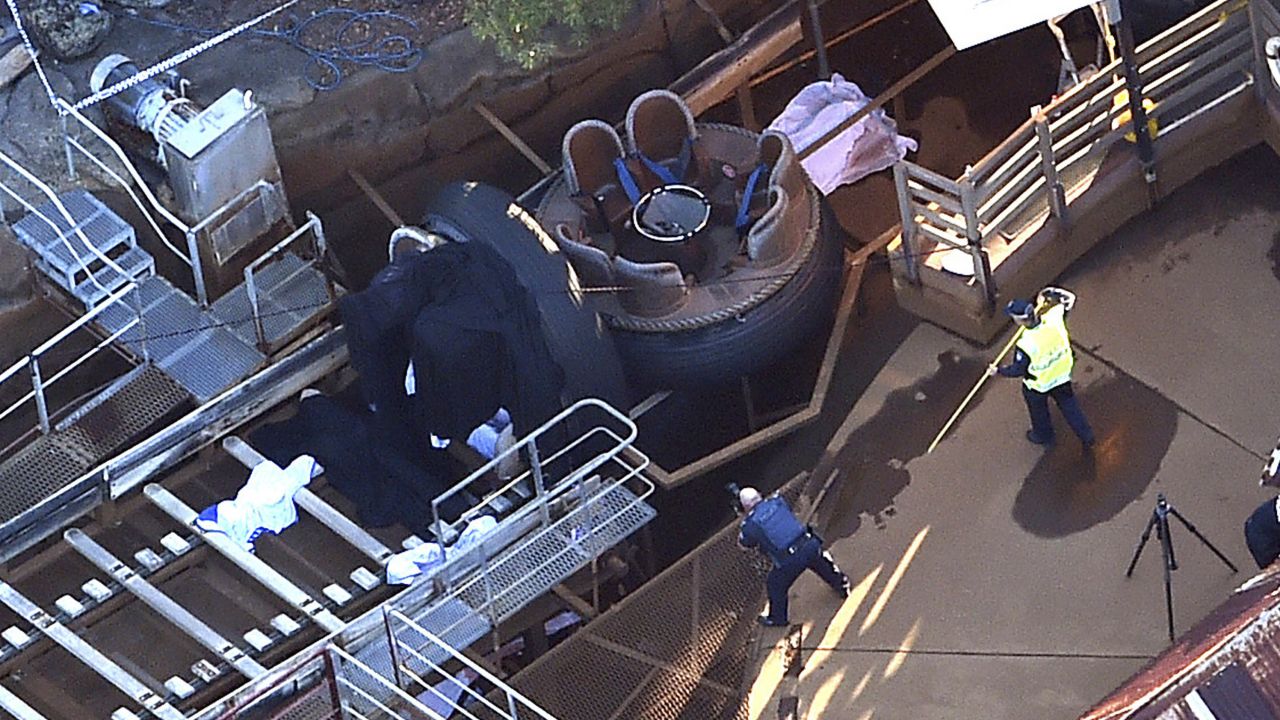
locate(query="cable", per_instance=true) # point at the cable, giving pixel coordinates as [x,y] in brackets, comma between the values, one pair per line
[176,60]
[589,290]
[392,50]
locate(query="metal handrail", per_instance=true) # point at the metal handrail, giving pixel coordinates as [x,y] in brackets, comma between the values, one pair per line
[155,227]
[250,285]
[388,685]
[31,361]
[65,109]
[66,215]
[566,526]
[1206,49]
[438,526]
[512,695]
[565,522]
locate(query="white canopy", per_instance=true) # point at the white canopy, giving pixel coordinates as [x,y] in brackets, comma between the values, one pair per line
[973,22]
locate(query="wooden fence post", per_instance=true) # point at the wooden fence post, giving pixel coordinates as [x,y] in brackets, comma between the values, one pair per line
[981,265]
[909,251]
[1048,166]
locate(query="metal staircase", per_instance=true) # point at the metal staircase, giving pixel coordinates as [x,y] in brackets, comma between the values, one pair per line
[184,353]
[75,255]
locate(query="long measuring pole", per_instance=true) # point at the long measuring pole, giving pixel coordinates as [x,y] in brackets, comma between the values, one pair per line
[1041,306]
[982,381]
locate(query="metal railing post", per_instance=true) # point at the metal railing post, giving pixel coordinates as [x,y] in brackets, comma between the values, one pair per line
[321,249]
[1049,166]
[38,386]
[251,289]
[909,256]
[142,323]
[539,482]
[66,146]
[981,265]
[490,604]
[197,270]
[393,646]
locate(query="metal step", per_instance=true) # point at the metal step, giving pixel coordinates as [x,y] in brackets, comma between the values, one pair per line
[59,248]
[290,293]
[187,343]
[136,264]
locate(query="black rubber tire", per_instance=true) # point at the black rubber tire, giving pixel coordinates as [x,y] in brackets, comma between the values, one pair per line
[719,354]
[577,339]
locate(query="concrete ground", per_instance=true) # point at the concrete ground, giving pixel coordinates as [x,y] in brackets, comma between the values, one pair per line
[990,574]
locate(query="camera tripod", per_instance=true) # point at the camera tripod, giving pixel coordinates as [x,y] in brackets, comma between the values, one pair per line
[1160,521]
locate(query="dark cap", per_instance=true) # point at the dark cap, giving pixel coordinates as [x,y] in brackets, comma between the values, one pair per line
[1019,308]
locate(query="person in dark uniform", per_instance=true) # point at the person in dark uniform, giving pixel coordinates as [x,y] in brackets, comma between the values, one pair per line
[771,527]
[1262,533]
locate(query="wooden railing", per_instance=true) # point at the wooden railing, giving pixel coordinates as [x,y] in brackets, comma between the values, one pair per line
[1185,71]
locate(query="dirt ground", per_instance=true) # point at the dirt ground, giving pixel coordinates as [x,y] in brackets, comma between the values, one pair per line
[392,33]
[433,17]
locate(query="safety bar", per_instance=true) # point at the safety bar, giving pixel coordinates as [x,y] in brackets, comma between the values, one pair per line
[443,531]
[31,363]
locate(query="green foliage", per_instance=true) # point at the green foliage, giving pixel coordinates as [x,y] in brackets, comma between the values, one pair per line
[523,29]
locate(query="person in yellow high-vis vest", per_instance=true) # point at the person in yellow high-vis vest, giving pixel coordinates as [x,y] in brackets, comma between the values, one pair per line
[1042,358]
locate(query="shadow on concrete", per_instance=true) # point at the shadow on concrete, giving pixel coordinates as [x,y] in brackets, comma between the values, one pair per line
[1069,491]
[875,458]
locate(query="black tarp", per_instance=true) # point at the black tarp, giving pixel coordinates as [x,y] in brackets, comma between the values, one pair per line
[476,343]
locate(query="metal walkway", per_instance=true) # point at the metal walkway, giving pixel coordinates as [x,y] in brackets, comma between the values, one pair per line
[41,468]
[190,345]
[391,661]
[182,353]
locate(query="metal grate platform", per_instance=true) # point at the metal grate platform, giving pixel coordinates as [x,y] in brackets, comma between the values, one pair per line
[126,410]
[35,472]
[530,569]
[51,462]
[100,225]
[60,251]
[290,291]
[188,344]
[454,622]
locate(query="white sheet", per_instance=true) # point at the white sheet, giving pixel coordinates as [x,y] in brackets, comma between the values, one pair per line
[870,145]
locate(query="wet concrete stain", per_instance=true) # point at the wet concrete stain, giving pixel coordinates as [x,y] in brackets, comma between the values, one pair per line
[1274,254]
[1189,211]
[1069,491]
[874,460]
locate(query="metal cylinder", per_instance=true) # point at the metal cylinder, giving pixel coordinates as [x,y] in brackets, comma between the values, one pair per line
[149,104]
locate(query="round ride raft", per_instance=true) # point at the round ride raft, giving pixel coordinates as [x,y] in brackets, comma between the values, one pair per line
[704,246]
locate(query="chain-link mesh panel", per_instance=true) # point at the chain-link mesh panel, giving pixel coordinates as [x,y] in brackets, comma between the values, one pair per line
[671,694]
[676,649]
